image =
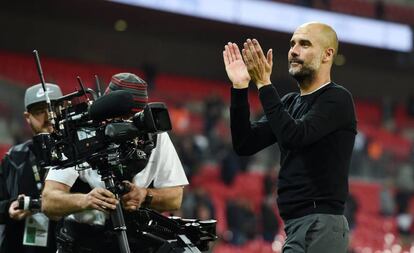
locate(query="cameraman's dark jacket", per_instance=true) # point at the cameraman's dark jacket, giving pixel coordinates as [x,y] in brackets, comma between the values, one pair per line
[16,177]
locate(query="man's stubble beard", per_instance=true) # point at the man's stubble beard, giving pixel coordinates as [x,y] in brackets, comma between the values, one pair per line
[303,75]
[47,128]
[306,73]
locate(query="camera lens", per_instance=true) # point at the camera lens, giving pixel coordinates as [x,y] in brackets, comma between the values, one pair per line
[21,203]
[28,204]
[35,204]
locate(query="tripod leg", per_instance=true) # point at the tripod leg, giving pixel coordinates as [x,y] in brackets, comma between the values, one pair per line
[120,228]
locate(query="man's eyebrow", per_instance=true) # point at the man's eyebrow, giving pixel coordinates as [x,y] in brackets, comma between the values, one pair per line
[305,41]
[300,41]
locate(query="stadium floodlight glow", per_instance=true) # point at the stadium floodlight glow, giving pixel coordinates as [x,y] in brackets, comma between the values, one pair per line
[285,18]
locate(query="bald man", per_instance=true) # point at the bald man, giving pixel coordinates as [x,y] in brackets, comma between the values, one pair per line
[315,129]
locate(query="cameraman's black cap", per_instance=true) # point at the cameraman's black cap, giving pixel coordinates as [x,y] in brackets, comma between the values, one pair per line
[133,84]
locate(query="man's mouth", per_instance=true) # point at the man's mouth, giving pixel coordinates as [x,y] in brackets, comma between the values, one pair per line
[295,62]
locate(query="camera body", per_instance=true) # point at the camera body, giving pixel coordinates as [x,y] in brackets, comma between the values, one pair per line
[28,203]
[101,131]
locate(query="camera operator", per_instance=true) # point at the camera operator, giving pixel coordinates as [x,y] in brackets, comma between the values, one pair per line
[22,179]
[81,197]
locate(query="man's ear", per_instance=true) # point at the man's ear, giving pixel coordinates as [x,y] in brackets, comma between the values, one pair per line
[328,55]
[26,115]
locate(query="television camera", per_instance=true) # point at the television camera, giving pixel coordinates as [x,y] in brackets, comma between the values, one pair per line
[102,132]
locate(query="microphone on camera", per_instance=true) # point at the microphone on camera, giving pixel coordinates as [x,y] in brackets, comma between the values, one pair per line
[114,104]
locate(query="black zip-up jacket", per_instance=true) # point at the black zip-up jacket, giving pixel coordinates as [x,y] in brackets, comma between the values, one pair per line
[315,134]
[14,163]
[16,177]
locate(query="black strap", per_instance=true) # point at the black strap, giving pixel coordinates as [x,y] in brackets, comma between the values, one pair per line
[37,172]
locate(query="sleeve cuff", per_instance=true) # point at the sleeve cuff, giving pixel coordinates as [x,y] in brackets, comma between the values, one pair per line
[239,97]
[269,97]
[65,176]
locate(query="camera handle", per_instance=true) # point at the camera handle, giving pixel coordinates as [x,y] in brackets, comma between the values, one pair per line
[117,217]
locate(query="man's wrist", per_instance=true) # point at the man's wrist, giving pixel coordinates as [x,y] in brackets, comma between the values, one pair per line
[240,86]
[260,85]
[82,202]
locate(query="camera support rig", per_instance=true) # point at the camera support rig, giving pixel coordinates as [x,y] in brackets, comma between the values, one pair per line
[117,217]
[82,133]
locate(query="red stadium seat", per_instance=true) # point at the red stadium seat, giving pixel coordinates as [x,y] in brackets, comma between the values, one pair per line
[402,118]
[367,196]
[402,14]
[391,142]
[250,186]
[3,150]
[355,7]
[368,112]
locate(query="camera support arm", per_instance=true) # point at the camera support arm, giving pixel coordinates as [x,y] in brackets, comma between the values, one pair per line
[117,216]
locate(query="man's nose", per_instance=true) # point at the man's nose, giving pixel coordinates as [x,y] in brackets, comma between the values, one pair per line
[294,51]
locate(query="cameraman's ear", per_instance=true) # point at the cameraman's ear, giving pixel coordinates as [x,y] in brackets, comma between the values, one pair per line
[26,115]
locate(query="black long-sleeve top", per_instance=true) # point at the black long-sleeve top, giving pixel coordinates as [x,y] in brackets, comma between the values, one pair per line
[315,134]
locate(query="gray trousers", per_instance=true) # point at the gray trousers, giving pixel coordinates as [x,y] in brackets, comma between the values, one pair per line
[316,233]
